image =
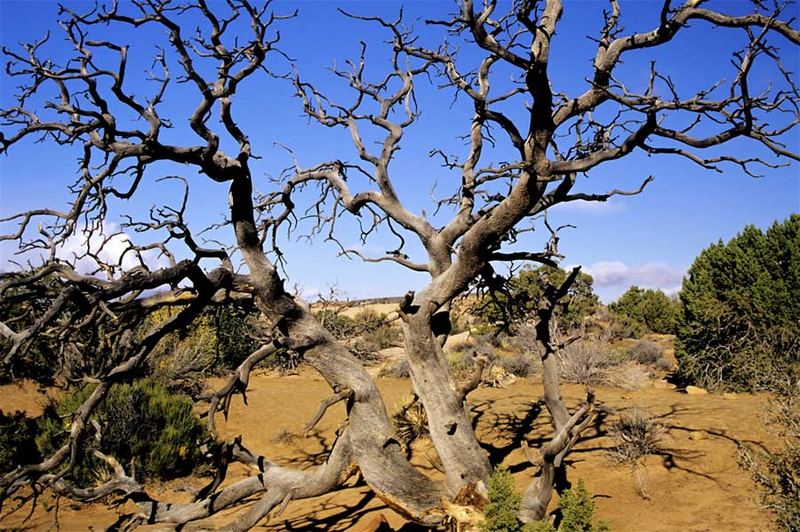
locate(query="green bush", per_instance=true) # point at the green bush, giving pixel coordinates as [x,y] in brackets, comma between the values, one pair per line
[577,511]
[339,325]
[141,423]
[524,294]
[501,510]
[740,327]
[640,309]
[17,441]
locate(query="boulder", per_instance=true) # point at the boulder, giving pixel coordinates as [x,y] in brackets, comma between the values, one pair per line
[663,385]
[694,390]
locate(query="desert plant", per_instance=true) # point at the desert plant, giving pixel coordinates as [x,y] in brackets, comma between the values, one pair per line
[410,422]
[629,376]
[646,352]
[17,441]
[382,337]
[664,364]
[778,472]
[740,327]
[234,325]
[586,362]
[636,434]
[142,424]
[501,510]
[577,511]
[339,325]
[519,364]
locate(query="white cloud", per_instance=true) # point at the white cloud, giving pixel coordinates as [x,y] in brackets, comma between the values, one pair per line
[110,245]
[647,275]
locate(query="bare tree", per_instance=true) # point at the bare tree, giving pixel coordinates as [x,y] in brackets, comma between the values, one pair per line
[555,138]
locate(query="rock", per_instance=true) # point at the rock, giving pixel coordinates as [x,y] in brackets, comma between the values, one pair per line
[697,435]
[663,385]
[694,390]
[729,396]
[392,353]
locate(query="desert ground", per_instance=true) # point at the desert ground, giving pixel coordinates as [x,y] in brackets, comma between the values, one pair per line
[692,484]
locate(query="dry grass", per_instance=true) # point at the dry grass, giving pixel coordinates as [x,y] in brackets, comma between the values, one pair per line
[630,376]
[585,362]
[636,434]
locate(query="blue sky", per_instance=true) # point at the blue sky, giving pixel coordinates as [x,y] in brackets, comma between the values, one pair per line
[648,240]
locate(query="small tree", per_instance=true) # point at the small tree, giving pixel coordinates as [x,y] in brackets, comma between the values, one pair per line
[577,511]
[656,311]
[740,327]
[524,293]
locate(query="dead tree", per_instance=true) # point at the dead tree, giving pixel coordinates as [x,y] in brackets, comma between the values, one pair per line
[556,139]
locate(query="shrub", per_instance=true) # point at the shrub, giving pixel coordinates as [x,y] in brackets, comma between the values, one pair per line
[17,441]
[635,435]
[740,327]
[218,340]
[520,364]
[778,473]
[339,325]
[182,357]
[630,376]
[283,360]
[524,293]
[410,422]
[625,327]
[653,309]
[501,510]
[585,362]
[646,352]
[396,370]
[142,424]
[577,511]
[382,337]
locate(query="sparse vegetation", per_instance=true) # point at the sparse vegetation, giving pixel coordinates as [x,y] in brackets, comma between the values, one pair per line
[518,364]
[587,362]
[635,435]
[778,472]
[628,376]
[410,422]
